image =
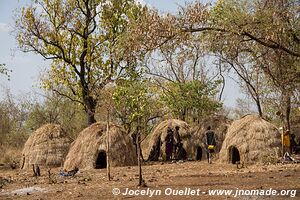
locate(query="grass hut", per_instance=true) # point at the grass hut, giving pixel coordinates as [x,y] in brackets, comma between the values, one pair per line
[156,140]
[295,126]
[47,146]
[251,139]
[88,151]
[219,124]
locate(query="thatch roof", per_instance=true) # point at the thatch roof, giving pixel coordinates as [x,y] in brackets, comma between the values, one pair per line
[295,126]
[92,140]
[219,124]
[255,139]
[47,146]
[160,132]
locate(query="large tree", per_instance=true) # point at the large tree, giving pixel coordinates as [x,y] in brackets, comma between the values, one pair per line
[81,37]
[187,83]
[261,37]
[269,29]
[266,23]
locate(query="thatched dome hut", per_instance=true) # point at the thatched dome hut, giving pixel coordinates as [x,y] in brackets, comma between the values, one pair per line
[295,126]
[88,151]
[158,136]
[251,139]
[219,124]
[47,146]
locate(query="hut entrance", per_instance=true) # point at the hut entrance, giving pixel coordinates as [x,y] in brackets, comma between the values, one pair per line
[101,160]
[234,155]
[199,153]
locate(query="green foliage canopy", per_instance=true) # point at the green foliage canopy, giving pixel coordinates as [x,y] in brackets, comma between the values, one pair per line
[191,98]
[134,102]
[81,37]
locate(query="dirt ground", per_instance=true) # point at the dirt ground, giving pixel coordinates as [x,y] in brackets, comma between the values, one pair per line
[164,177]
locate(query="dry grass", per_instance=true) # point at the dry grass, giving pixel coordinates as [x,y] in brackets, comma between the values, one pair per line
[160,131]
[94,185]
[255,138]
[84,150]
[219,125]
[10,154]
[47,146]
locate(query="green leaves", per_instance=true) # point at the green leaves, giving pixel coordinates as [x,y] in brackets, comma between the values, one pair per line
[193,97]
[133,98]
[136,103]
[83,40]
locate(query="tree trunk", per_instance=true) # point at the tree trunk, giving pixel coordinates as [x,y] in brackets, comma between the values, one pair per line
[89,101]
[107,147]
[258,104]
[139,156]
[223,80]
[90,104]
[288,111]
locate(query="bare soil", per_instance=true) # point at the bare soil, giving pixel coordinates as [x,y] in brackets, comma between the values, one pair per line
[93,184]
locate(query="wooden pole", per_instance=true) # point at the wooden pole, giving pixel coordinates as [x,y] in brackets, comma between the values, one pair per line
[139,156]
[107,147]
[138,143]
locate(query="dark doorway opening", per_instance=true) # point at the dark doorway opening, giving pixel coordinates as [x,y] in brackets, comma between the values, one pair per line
[199,153]
[234,155]
[101,160]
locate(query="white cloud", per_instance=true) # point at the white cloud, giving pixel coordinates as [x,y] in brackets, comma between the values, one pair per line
[4,27]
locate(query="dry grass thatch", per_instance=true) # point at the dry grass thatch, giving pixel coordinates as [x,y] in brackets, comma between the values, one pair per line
[295,126]
[47,146]
[92,140]
[255,139]
[160,132]
[219,125]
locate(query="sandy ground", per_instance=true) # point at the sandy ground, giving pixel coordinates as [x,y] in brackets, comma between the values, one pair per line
[194,179]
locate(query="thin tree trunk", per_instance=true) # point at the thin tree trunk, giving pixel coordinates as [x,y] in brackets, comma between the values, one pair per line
[250,87]
[139,156]
[288,112]
[287,109]
[107,146]
[223,80]
[138,143]
[258,104]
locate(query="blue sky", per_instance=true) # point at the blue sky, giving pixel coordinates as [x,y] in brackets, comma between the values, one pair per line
[26,68]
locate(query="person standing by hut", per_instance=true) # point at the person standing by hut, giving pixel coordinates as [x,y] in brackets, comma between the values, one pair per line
[169,143]
[286,143]
[211,142]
